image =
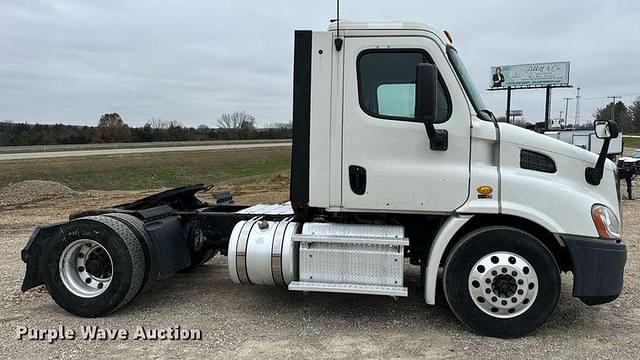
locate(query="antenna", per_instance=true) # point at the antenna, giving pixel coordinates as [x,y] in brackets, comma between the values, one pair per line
[338,17]
[338,41]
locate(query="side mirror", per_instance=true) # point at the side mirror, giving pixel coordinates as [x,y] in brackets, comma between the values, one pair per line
[606,129]
[426,105]
[426,82]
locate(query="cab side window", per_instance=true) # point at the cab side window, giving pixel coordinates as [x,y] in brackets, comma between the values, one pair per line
[386,84]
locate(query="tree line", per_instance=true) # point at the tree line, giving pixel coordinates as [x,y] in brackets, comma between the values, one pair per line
[627,117]
[111,128]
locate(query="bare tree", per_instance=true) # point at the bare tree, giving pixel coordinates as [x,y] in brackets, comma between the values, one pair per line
[174,124]
[157,123]
[280,125]
[238,119]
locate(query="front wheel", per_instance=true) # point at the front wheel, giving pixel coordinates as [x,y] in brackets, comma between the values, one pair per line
[501,281]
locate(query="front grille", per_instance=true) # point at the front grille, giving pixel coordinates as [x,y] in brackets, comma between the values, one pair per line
[532,160]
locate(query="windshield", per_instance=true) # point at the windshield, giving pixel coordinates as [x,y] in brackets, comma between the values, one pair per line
[636,154]
[467,83]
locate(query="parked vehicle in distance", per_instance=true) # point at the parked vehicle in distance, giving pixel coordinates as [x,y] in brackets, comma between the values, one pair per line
[628,170]
[395,156]
[632,158]
[587,140]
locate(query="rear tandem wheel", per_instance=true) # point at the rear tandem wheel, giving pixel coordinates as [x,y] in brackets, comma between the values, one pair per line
[97,266]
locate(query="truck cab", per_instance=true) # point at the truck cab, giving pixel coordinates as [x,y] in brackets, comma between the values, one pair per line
[357,94]
[396,162]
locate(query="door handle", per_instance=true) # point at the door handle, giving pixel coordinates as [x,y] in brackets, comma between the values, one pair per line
[358,179]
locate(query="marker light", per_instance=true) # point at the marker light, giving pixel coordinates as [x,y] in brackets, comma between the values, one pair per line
[448,35]
[484,190]
[606,222]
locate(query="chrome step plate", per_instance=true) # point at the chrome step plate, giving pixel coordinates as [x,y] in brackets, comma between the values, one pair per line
[348,288]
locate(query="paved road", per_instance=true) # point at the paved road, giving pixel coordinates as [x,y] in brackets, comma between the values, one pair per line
[129,145]
[84,153]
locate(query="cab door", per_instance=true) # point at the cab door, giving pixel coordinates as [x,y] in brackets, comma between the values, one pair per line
[387,163]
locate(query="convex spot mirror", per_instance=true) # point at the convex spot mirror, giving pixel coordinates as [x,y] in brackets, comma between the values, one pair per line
[605,129]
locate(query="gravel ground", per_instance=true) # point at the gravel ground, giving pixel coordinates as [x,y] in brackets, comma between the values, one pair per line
[254,322]
[29,191]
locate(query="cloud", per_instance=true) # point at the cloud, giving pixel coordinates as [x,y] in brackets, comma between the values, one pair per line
[71,60]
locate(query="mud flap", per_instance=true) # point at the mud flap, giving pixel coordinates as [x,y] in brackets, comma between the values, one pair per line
[168,237]
[31,253]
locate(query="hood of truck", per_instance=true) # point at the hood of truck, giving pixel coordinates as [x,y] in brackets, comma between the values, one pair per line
[537,141]
[563,198]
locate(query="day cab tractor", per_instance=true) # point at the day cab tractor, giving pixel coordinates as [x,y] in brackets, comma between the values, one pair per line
[394,157]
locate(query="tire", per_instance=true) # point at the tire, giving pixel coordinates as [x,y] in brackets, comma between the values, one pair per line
[122,283]
[137,227]
[516,301]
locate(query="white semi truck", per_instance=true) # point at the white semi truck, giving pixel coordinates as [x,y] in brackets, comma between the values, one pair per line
[396,162]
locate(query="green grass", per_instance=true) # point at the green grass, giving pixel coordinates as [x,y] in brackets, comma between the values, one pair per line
[632,142]
[150,171]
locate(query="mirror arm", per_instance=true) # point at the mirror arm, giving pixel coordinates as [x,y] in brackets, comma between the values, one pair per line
[428,125]
[594,175]
[438,138]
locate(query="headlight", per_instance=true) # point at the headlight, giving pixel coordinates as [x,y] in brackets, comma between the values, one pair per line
[606,222]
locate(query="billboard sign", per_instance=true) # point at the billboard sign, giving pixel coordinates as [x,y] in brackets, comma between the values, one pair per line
[530,75]
[515,113]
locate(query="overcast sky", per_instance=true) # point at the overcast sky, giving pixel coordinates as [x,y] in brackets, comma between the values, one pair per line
[71,60]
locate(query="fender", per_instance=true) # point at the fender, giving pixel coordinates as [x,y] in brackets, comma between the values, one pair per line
[439,245]
[31,254]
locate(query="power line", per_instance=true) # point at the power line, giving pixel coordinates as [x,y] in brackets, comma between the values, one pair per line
[630,94]
[605,97]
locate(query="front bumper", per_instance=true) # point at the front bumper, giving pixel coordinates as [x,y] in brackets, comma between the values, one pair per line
[598,268]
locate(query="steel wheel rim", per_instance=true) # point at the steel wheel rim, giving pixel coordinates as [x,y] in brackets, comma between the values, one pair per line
[85,268]
[503,284]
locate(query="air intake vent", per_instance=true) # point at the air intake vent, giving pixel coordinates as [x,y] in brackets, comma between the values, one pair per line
[531,160]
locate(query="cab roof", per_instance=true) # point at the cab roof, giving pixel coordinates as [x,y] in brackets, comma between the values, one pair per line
[386,25]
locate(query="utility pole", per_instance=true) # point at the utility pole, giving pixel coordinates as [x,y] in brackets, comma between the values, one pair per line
[566,111]
[577,119]
[547,109]
[562,120]
[613,106]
